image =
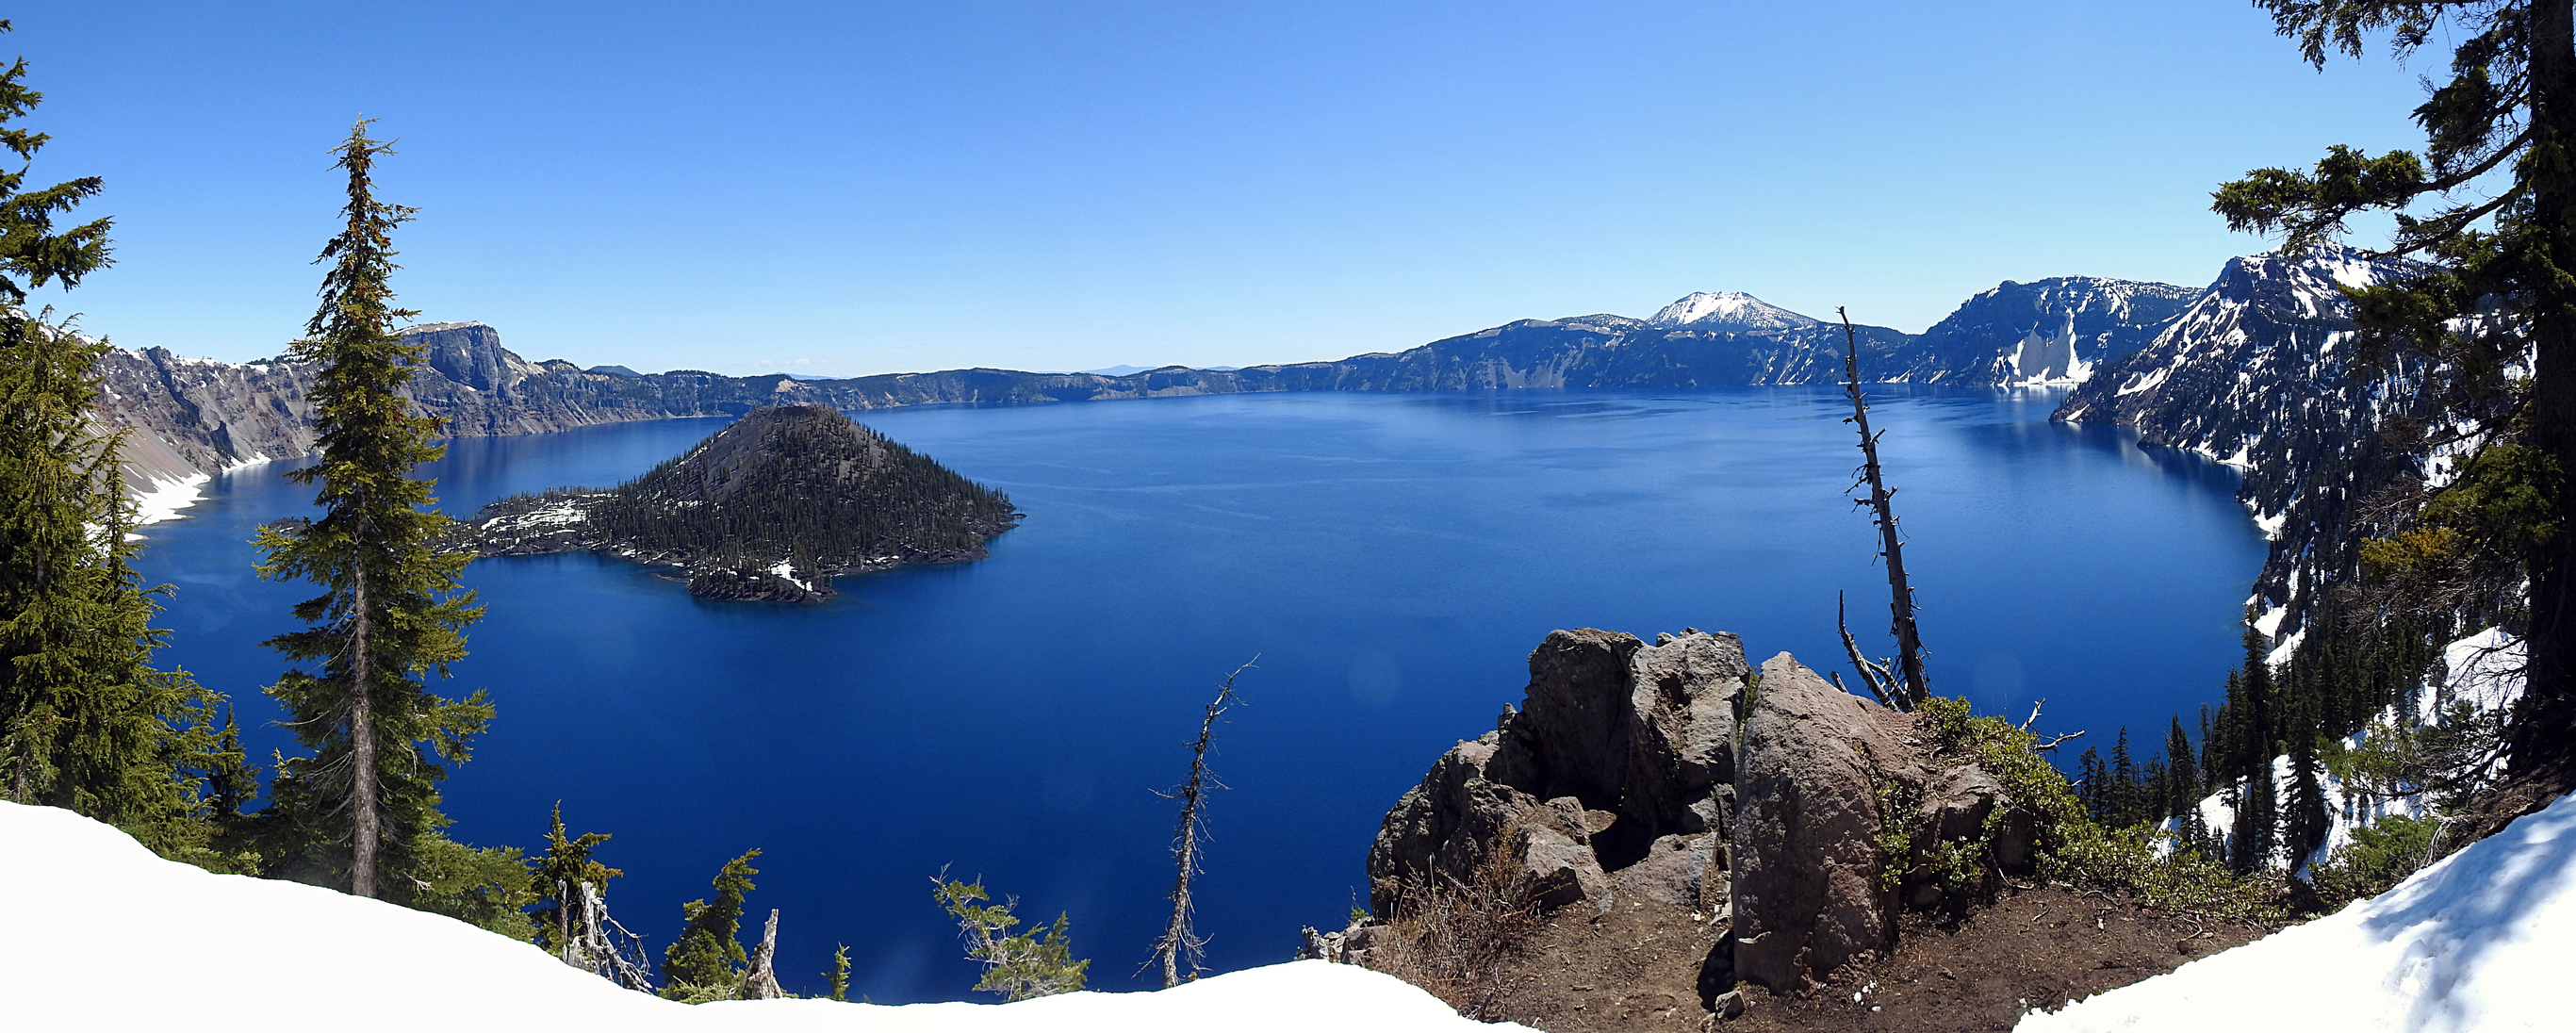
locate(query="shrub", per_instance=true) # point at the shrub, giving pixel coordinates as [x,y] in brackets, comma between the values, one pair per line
[2380,855]
[1020,966]
[1450,936]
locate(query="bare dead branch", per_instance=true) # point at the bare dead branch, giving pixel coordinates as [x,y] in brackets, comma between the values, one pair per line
[1177,939]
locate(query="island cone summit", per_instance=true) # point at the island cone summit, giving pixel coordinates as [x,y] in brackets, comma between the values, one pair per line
[771,507]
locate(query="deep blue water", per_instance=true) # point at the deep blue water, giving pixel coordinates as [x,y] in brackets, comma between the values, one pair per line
[1391,558]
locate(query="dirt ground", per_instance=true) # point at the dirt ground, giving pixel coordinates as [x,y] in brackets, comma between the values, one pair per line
[1637,968]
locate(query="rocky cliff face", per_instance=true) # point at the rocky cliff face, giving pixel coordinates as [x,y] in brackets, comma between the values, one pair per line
[197,416]
[1620,748]
[2260,373]
[2060,330]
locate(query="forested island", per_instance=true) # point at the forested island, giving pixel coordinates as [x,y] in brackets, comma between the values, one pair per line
[772,507]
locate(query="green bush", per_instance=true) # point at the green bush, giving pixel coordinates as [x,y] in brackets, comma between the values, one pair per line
[1020,966]
[2182,882]
[2380,855]
[2072,848]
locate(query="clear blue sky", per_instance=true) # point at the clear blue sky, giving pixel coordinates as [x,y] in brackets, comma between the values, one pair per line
[845,188]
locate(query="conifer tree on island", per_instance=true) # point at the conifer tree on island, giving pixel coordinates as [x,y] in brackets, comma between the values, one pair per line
[85,722]
[2488,297]
[391,613]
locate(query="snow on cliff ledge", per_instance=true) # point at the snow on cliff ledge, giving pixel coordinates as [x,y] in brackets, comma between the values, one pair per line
[2479,941]
[101,934]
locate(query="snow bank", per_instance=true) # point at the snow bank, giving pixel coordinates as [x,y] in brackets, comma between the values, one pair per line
[167,497]
[102,934]
[2478,941]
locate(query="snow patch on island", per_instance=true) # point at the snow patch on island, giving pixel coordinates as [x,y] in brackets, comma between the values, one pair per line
[117,938]
[786,571]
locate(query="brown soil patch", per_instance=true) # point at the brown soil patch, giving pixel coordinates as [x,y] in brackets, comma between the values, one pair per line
[1637,968]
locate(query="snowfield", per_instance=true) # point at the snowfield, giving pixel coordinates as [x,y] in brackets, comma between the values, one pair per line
[2478,941]
[103,935]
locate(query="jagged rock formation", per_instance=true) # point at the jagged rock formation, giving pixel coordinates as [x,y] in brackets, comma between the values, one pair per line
[772,507]
[1672,776]
[2259,373]
[195,416]
[1620,748]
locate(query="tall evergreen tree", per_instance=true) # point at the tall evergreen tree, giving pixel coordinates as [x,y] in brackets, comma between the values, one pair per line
[2257,809]
[391,612]
[85,722]
[2183,787]
[2123,798]
[2489,296]
[2304,821]
[2093,786]
[709,955]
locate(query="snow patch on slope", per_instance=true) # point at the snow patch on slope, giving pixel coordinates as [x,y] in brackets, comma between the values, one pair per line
[167,496]
[104,935]
[2478,941]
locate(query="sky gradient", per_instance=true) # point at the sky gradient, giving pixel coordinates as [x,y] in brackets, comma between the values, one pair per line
[849,188]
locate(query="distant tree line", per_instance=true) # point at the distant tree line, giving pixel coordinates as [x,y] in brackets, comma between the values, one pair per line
[2267,749]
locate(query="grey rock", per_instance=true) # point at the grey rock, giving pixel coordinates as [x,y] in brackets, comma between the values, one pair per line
[1672,872]
[1617,743]
[1807,859]
[1560,870]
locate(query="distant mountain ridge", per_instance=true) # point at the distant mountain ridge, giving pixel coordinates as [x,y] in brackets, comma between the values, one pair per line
[195,417]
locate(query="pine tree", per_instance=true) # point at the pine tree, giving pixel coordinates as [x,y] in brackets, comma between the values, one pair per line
[2509,111]
[2123,800]
[2257,809]
[560,875]
[709,955]
[2183,787]
[2304,822]
[2093,785]
[391,611]
[85,722]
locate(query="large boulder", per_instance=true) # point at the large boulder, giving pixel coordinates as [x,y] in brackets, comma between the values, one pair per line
[1808,857]
[1617,744]
[1844,813]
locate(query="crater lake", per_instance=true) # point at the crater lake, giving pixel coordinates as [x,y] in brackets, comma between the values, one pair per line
[1391,560]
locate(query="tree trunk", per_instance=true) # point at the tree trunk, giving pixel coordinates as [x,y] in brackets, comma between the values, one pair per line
[363,831]
[1177,938]
[2544,722]
[1909,646]
[761,981]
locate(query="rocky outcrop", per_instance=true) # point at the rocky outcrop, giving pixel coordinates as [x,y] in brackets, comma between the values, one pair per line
[1843,816]
[1670,775]
[1621,749]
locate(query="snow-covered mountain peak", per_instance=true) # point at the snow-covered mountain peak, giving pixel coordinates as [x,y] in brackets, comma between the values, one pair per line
[1729,310]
